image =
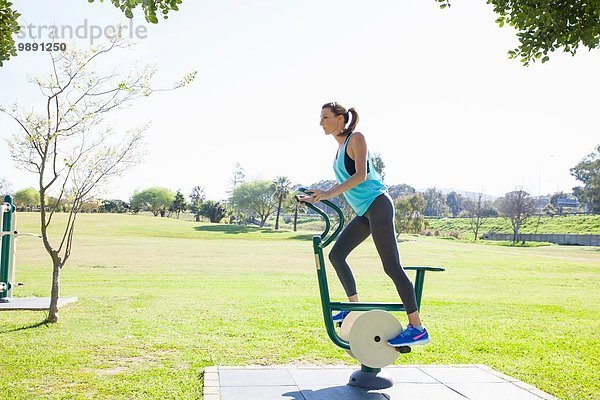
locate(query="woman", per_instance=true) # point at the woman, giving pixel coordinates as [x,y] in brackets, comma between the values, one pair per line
[367,195]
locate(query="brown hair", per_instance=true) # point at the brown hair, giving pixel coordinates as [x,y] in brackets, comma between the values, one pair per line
[338,109]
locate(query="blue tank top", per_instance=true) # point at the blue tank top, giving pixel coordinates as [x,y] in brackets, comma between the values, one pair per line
[361,196]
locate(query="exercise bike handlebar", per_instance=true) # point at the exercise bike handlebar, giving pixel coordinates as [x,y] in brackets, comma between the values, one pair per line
[326,240]
[319,243]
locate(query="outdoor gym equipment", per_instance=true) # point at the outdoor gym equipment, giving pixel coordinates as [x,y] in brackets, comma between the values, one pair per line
[8,253]
[367,328]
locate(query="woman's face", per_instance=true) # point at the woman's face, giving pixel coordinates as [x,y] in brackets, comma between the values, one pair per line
[330,122]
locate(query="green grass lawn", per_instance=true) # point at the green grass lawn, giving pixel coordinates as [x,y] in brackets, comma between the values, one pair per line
[160,299]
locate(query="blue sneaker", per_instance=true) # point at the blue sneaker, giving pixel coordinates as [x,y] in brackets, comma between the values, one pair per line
[339,317]
[411,336]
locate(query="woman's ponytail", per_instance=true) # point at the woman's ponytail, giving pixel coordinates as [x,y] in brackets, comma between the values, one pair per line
[353,122]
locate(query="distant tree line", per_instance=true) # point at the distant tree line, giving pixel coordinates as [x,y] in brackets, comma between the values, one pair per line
[255,201]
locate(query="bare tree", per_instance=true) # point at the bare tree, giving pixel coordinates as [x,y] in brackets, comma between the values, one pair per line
[5,187]
[476,219]
[517,207]
[237,178]
[67,145]
[477,213]
[379,165]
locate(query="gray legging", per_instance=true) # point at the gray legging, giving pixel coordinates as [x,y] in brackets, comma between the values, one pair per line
[379,222]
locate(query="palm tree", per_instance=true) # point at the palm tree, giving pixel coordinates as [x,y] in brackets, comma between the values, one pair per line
[281,186]
[292,205]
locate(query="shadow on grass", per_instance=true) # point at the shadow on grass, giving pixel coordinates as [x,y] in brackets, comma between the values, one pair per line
[303,237]
[241,229]
[232,229]
[24,328]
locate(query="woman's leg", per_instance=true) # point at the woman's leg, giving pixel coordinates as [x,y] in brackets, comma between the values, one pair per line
[353,234]
[381,220]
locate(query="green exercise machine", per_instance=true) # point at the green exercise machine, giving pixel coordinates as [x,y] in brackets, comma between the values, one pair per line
[9,236]
[367,328]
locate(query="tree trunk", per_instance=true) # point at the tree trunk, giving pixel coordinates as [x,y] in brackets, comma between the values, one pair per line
[277,218]
[538,222]
[197,217]
[54,293]
[478,215]
[56,261]
[295,217]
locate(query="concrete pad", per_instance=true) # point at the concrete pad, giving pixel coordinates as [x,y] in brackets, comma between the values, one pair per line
[493,391]
[33,303]
[255,377]
[261,393]
[319,378]
[409,375]
[423,391]
[455,382]
[461,374]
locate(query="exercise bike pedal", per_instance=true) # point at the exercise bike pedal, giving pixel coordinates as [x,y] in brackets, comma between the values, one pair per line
[403,349]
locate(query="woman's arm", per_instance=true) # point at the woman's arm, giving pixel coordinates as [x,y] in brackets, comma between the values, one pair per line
[357,149]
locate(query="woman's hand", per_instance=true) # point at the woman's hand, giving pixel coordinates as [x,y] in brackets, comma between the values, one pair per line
[303,198]
[315,196]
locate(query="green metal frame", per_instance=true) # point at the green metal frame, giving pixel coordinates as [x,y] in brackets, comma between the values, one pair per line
[319,243]
[5,254]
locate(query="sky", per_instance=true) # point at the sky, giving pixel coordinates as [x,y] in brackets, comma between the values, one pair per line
[437,96]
